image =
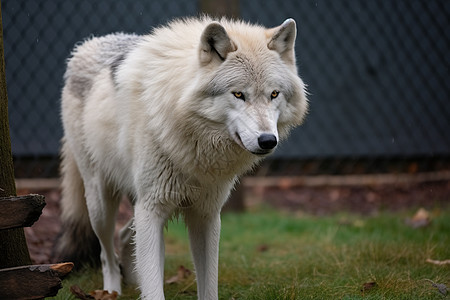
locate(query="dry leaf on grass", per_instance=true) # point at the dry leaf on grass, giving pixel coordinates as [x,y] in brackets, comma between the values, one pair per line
[420,219]
[367,286]
[79,293]
[262,248]
[93,295]
[104,295]
[442,288]
[182,274]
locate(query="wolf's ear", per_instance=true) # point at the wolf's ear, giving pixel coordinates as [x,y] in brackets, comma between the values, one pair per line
[215,44]
[282,40]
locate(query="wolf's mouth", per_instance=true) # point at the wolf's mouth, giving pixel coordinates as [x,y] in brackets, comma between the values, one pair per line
[240,143]
[239,140]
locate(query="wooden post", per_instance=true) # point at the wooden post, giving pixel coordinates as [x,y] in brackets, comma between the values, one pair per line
[219,8]
[13,246]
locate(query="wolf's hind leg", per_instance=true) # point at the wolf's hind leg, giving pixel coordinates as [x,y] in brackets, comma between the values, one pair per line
[127,253]
[103,205]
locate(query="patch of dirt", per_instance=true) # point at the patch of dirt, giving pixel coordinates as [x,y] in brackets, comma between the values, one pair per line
[324,200]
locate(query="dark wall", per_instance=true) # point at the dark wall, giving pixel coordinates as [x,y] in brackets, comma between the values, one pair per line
[378,74]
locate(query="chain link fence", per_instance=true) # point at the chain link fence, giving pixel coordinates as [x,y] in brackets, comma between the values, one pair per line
[377,72]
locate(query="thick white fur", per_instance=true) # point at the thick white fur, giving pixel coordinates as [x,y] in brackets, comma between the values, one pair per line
[156,118]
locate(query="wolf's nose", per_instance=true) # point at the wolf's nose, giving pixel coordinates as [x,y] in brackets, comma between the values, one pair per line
[267,141]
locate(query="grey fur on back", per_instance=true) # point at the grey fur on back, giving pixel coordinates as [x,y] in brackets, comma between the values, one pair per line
[104,52]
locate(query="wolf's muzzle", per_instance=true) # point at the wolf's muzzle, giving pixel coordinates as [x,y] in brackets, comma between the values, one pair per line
[267,141]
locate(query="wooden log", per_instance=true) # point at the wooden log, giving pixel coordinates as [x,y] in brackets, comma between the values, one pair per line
[20,211]
[32,282]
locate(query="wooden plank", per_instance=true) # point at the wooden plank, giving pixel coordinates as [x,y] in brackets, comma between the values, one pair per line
[32,282]
[20,211]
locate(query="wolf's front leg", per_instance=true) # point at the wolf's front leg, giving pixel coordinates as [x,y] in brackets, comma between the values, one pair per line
[204,234]
[149,227]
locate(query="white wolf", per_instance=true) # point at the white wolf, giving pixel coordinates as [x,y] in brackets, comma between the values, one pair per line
[171,119]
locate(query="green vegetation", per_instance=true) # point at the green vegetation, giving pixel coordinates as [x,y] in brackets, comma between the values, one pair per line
[273,255]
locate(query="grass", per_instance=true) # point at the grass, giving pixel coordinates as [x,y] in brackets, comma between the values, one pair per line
[274,255]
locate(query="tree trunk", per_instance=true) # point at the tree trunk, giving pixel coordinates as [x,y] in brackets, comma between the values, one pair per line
[13,246]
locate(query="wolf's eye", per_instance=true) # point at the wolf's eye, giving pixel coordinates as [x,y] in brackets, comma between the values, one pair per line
[274,94]
[239,95]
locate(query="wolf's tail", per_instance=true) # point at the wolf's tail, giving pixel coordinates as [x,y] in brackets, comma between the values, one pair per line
[77,241]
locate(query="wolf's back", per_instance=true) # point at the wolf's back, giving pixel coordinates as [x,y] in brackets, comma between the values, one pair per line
[77,241]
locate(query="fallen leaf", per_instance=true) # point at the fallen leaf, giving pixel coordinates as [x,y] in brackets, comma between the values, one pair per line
[421,214]
[442,288]
[79,293]
[420,219]
[263,248]
[438,262]
[94,295]
[182,274]
[104,295]
[367,286]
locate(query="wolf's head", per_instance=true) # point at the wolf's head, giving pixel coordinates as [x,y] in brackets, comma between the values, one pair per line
[249,82]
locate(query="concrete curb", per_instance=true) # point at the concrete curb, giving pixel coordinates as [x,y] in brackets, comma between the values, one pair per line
[287,181]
